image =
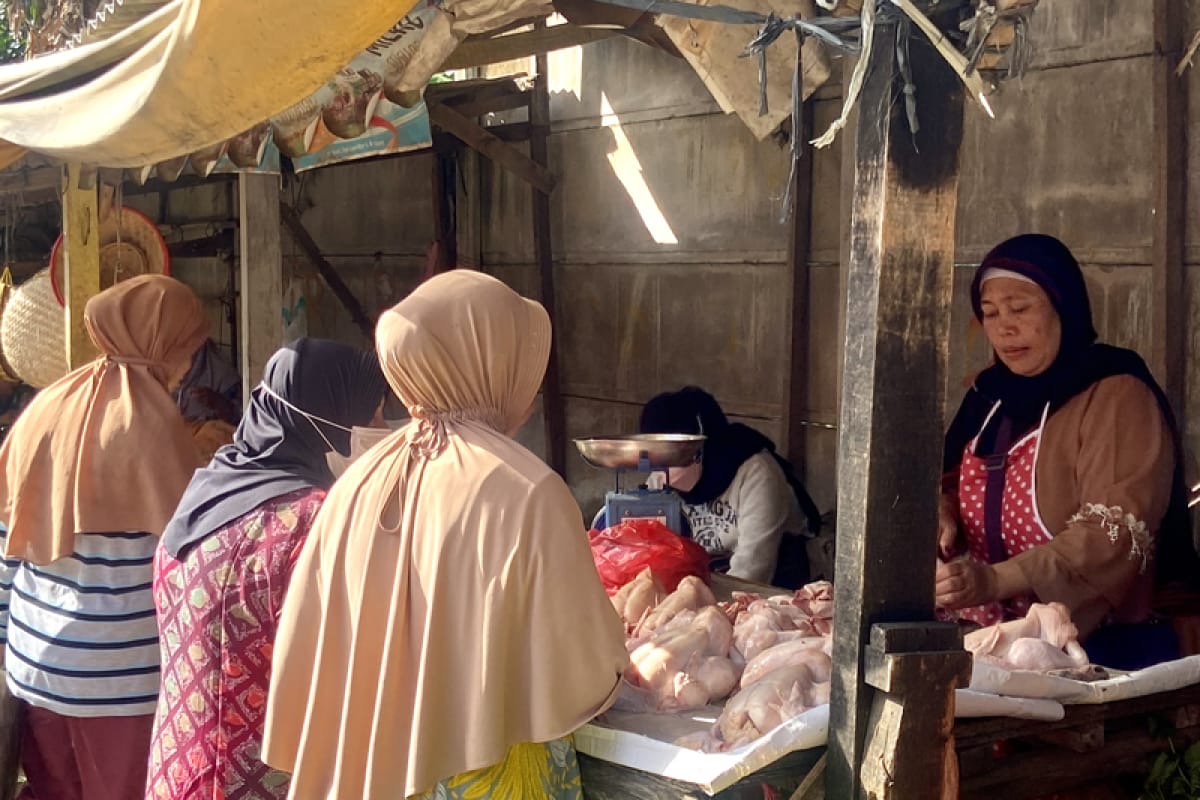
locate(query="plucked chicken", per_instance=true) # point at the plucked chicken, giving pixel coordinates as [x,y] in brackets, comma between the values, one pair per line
[1044,640]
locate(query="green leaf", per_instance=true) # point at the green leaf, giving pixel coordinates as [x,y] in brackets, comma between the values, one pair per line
[1160,769]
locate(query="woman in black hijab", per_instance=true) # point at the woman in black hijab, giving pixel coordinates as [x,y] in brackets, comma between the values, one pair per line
[742,500]
[1062,477]
[225,559]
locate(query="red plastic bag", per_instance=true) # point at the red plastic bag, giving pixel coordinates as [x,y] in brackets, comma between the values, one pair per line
[622,551]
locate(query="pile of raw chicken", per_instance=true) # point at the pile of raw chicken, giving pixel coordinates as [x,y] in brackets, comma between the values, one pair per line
[769,656]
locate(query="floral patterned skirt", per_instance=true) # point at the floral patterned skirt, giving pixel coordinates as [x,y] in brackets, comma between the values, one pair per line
[547,771]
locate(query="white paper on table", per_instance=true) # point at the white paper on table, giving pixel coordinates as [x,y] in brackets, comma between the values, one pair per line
[993,679]
[1165,677]
[639,742]
[968,703]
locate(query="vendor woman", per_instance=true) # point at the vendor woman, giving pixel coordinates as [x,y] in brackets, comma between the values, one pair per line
[741,500]
[1061,467]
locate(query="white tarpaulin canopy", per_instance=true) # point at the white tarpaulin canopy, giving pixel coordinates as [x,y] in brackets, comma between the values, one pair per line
[193,74]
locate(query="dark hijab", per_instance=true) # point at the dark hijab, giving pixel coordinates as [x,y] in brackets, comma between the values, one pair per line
[1080,363]
[276,449]
[727,445]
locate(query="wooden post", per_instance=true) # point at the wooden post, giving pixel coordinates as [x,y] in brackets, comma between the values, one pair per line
[445,199]
[552,399]
[261,280]
[799,230]
[469,209]
[81,259]
[1169,333]
[898,312]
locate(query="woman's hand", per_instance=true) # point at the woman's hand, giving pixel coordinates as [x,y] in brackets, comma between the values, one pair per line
[965,582]
[950,543]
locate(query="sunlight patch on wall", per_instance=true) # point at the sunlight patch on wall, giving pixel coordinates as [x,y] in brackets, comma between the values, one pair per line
[629,171]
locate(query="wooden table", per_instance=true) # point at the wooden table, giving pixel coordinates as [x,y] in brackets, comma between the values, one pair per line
[1018,759]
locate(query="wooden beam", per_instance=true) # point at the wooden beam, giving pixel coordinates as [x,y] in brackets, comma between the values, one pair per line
[473,98]
[291,221]
[260,278]
[477,51]
[555,415]
[889,457]
[504,155]
[1168,328]
[81,260]
[799,234]
[510,131]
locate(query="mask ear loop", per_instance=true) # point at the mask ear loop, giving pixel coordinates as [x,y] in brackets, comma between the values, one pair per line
[313,419]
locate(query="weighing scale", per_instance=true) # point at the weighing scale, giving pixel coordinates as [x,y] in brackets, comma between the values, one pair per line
[646,452]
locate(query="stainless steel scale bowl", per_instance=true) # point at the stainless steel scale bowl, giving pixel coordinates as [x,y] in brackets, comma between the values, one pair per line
[642,452]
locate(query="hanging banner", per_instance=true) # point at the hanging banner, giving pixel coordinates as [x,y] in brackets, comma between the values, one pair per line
[368,109]
[372,107]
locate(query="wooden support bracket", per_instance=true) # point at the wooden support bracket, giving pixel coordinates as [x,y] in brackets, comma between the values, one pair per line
[909,750]
[503,154]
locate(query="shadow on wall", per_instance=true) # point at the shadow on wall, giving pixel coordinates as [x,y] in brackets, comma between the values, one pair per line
[670,255]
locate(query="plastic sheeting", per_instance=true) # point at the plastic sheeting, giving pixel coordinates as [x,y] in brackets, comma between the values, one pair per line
[192,75]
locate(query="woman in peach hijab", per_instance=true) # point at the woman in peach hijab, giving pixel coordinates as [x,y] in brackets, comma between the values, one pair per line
[89,476]
[445,630]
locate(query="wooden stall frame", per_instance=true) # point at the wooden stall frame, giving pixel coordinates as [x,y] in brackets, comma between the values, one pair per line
[899,291]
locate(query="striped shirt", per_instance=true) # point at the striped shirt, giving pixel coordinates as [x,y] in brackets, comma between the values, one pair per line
[80,633]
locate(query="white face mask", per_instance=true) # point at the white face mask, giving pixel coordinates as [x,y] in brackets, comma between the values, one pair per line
[361,440]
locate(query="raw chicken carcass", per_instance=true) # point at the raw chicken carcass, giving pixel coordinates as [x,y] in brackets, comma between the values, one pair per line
[691,594]
[784,693]
[762,623]
[686,665]
[636,598]
[809,652]
[1044,640]
[815,599]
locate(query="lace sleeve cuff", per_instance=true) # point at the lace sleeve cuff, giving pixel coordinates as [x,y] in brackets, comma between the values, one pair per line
[1115,521]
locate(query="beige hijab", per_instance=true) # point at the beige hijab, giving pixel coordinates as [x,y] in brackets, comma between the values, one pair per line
[445,606]
[104,449]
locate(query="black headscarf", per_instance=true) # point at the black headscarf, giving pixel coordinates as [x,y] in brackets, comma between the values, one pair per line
[277,450]
[727,445]
[1080,363]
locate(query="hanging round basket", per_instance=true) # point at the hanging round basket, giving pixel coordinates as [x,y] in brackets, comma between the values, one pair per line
[130,245]
[32,331]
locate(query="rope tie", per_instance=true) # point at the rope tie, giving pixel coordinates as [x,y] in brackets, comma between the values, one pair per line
[429,436]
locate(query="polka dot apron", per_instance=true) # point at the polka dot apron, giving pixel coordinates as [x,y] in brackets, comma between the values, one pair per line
[1021,525]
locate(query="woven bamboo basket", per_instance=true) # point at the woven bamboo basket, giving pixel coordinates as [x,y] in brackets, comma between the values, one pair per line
[32,332]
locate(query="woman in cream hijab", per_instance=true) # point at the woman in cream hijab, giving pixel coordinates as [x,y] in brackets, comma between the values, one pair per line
[445,629]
